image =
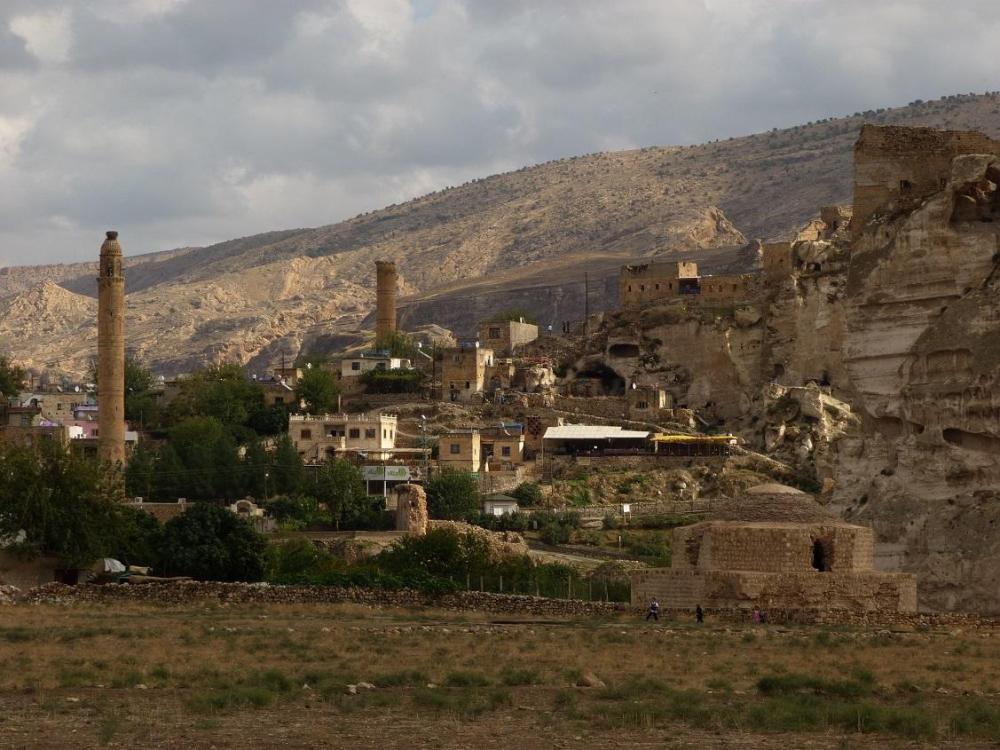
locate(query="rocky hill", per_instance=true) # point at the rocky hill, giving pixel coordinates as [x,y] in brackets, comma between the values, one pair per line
[497,240]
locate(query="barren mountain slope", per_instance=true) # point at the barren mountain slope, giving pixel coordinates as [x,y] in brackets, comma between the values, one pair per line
[257,297]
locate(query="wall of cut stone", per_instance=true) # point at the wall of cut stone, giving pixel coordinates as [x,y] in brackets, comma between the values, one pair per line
[864,591]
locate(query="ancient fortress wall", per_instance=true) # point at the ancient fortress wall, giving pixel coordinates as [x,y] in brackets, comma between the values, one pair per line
[895,167]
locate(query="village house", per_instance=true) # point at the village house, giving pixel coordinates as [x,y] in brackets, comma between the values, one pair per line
[464,371]
[356,365]
[318,437]
[474,450]
[460,450]
[504,337]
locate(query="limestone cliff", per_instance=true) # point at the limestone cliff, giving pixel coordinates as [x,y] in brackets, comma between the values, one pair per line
[874,367]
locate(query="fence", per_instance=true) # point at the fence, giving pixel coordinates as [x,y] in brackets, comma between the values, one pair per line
[556,585]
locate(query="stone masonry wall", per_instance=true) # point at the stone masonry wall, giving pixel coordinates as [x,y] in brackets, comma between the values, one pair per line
[684,589]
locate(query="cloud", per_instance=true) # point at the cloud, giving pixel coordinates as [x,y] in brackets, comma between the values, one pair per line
[187,122]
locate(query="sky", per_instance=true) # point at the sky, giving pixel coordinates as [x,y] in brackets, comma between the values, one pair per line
[187,122]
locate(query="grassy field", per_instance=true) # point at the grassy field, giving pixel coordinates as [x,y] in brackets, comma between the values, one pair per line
[224,676]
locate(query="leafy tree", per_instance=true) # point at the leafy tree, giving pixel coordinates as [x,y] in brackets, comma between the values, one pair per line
[397,343]
[393,381]
[318,390]
[339,484]
[11,378]
[288,470]
[221,391]
[206,451]
[139,538]
[452,495]
[66,505]
[140,473]
[256,464]
[211,543]
[528,494]
[264,420]
[169,475]
[140,403]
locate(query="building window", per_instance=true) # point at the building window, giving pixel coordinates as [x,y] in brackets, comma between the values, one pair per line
[494,333]
[354,432]
[642,287]
[641,405]
[467,386]
[455,449]
[279,399]
[306,434]
[505,451]
[355,365]
[630,287]
[371,433]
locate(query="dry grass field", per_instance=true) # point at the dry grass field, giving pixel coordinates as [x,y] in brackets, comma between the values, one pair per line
[206,675]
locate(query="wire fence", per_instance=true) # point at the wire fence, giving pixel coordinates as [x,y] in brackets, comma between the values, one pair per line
[582,588]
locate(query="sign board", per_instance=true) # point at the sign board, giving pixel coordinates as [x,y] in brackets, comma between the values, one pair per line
[385,473]
[626,508]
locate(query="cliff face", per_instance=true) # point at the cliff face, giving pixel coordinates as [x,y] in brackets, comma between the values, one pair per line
[873,367]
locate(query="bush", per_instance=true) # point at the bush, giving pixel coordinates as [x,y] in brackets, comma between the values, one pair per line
[528,494]
[211,543]
[393,381]
[452,495]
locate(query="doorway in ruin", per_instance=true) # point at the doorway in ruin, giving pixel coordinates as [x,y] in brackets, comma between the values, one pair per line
[819,561]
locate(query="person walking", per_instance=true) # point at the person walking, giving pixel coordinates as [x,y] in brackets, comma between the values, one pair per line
[755,615]
[699,615]
[653,611]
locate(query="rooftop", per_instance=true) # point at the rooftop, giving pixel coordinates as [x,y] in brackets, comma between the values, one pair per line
[592,432]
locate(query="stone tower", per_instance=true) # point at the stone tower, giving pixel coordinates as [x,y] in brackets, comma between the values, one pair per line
[385,298]
[111,353]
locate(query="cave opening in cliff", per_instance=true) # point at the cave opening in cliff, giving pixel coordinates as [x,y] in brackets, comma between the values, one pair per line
[612,384]
[623,351]
[819,561]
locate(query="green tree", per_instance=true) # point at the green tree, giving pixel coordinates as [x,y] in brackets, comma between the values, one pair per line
[140,473]
[397,343]
[288,470]
[256,466]
[211,543]
[339,484]
[65,505]
[393,381]
[139,538]
[528,494]
[168,475]
[222,392]
[208,455]
[140,402]
[318,390]
[452,495]
[11,378]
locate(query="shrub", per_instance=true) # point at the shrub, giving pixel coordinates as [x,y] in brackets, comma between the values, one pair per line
[452,495]
[211,543]
[528,494]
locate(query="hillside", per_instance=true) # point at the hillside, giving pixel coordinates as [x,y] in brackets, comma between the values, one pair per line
[494,239]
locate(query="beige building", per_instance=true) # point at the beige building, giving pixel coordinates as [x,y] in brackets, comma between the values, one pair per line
[357,365]
[778,259]
[464,372]
[504,337]
[646,401]
[651,281]
[778,549]
[473,450]
[318,437]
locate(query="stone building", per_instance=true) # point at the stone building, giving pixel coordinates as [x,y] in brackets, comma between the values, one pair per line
[778,259]
[505,336]
[318,437]
[644,282]
[460,450]
[778,549]
[896,167]
[464,371]
[355,365]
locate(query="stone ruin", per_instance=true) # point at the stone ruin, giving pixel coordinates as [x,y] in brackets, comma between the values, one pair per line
[411,509]
[775,548]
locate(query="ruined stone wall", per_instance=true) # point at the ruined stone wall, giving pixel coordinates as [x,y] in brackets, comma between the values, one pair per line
[770,548]
[778,260]
[727,288]
[854,592]
[896,167]
[652,281]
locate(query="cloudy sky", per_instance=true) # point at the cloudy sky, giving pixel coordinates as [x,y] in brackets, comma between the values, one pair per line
[184,122]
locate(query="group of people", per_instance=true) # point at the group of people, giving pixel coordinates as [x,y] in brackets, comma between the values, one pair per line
[758,616]
[653,612]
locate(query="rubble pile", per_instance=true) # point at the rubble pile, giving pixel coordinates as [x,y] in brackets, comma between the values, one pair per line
[503,545]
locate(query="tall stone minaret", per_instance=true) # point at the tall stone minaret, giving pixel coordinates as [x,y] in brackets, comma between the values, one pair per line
[385,298]
[111,353]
